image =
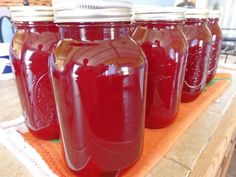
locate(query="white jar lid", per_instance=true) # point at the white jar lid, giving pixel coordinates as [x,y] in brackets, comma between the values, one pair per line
[214,14]
[92,10]
[148,12]
[197,13]
[31,13]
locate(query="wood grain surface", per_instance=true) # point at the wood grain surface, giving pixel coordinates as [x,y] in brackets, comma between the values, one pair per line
[232,171]
[218,147]
[8,3]
[9,103]
[10,166]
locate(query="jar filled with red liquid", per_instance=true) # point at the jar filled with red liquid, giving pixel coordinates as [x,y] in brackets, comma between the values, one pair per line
[213,25]
[99,79]
[33,41]
[199,46]
[159,33]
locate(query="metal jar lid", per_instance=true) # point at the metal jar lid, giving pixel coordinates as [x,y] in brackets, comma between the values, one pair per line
[92,10]
[197,13]
[148,13]
[214,14]
[31,13]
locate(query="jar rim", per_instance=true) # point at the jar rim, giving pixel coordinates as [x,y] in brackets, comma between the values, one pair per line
[92,10]
[214,14]
[147,12]
[98,15]
[196,13]
[31,13]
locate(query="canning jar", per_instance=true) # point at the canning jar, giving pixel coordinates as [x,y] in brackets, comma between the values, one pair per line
[213,25]
[159,33]
[99,79]
[33,41]
[199,47]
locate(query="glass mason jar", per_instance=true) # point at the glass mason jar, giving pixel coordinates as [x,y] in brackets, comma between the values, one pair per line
[159,33]
[199,43]
[99,79]
[33,41]
[213,25]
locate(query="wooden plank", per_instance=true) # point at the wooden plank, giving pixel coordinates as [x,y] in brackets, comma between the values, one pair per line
[8,3]
[10,166]
[220,105]
[9,103]
[191,144]
[211,158]
[163,169]
[228,160]
[232,171]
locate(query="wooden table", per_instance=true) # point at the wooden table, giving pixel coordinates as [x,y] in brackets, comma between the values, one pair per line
[204,150]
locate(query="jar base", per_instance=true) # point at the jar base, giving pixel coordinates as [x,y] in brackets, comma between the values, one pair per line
[210,77]
[48,133]
[158,123]
[91,169]
[186,97]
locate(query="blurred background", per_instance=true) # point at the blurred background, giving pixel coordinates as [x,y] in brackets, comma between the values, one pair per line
[227,21]
[226,7]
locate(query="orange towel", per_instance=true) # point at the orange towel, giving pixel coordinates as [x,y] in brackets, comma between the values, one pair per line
[156,142]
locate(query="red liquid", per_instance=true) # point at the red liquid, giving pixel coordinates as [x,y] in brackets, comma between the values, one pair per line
[99,83]
[215,47]
[166,48]
[30,48]
[199,42]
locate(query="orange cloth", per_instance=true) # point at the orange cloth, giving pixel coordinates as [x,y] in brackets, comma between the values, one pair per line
[156,142]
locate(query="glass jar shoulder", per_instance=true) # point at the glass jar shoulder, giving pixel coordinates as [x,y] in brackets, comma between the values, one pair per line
[116,53]
[215,29]
[168,38]
[26,42]
[197,33]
